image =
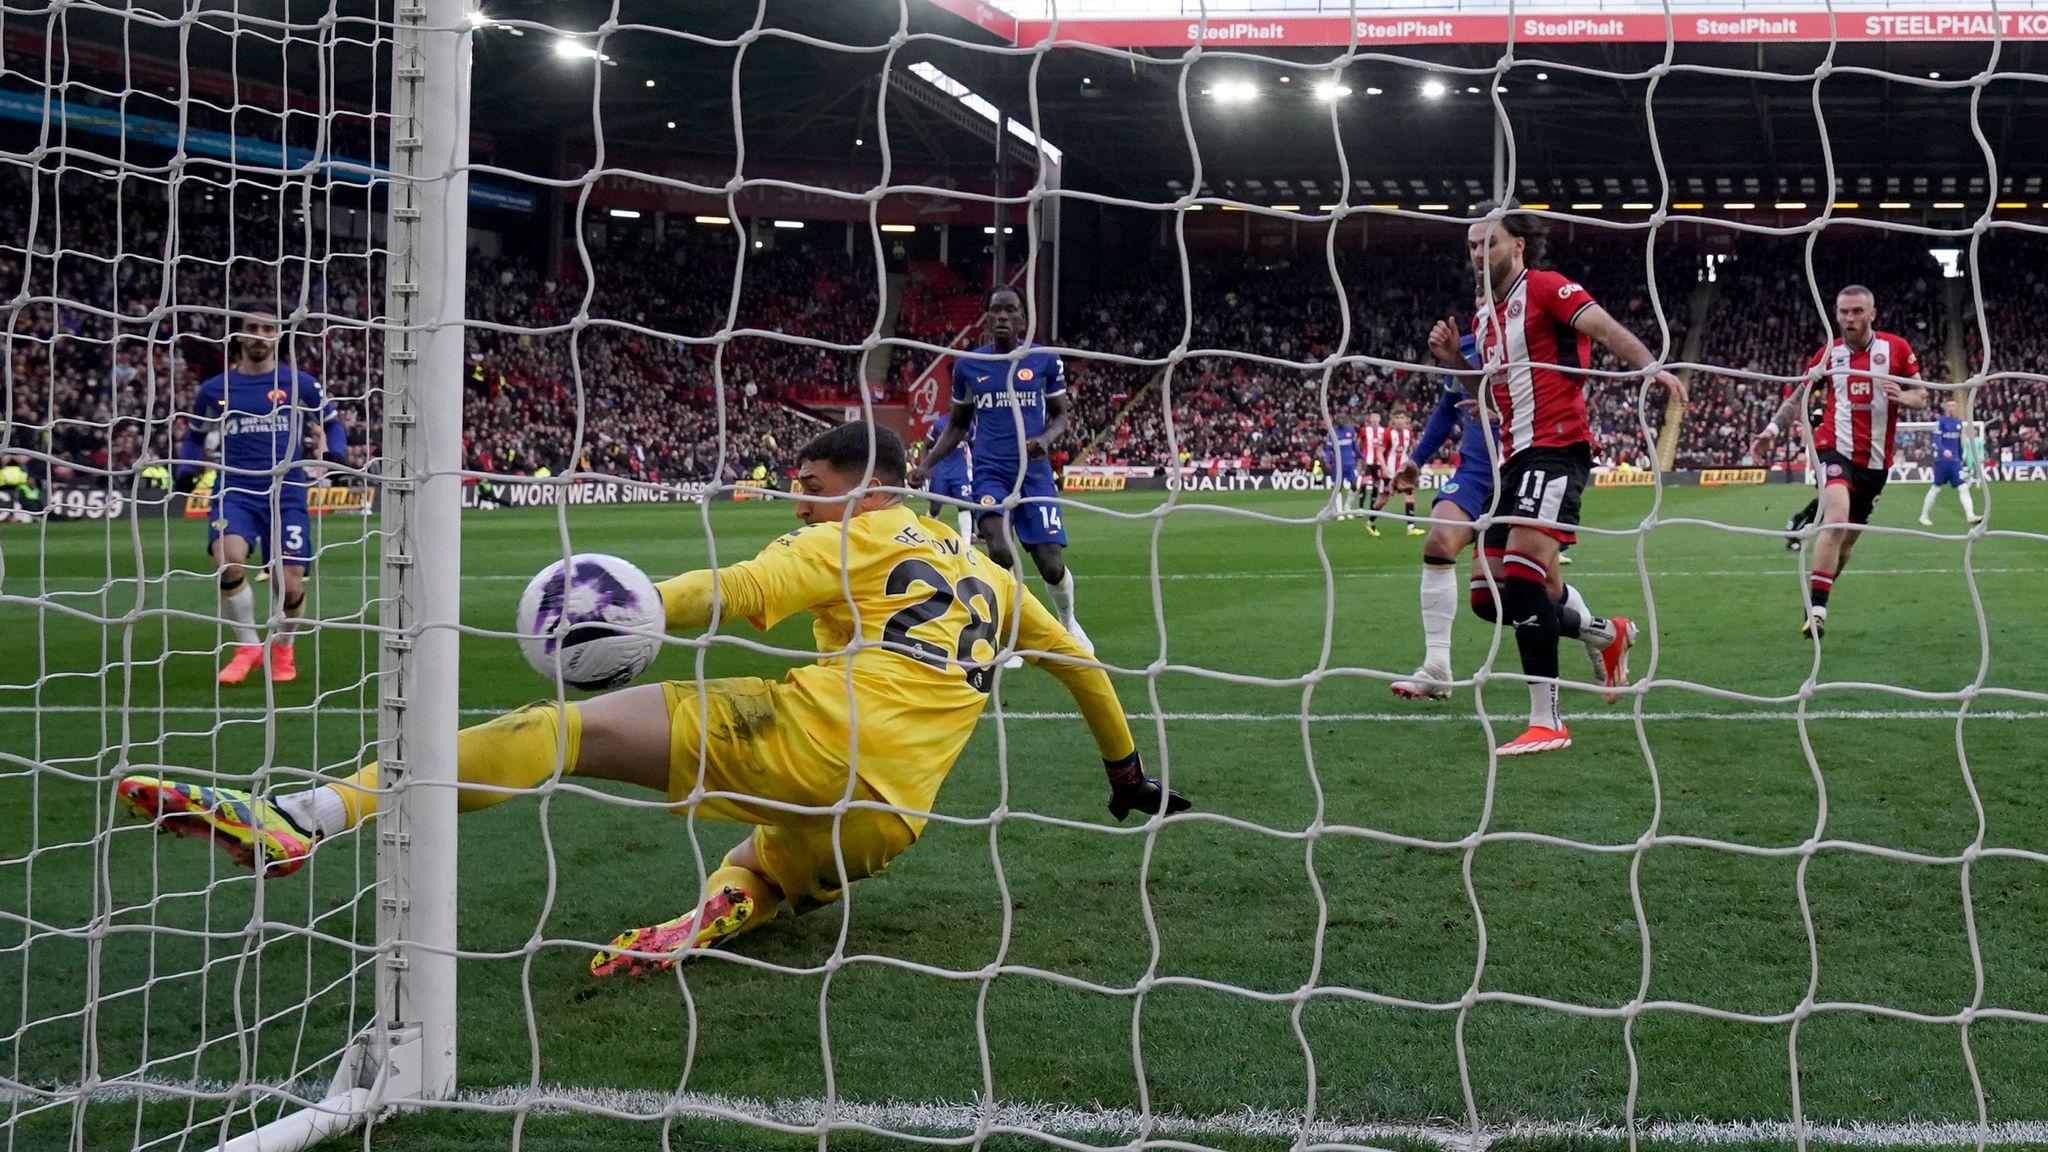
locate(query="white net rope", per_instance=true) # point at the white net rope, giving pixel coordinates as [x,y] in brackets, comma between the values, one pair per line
[199,998]
[156,202]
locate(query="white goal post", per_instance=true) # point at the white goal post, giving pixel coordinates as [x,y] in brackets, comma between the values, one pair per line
[407,1053]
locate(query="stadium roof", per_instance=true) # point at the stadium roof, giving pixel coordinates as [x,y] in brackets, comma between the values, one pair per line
[1588,120]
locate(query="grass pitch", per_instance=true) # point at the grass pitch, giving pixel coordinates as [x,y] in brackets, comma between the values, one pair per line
[1329,922]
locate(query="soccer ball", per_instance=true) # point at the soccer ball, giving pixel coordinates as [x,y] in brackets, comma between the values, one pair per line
[571,616]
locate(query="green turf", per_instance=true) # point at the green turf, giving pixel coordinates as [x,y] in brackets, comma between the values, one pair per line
[1370,811]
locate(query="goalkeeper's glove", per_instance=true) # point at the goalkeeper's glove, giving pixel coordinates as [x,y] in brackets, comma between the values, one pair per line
[1131,790]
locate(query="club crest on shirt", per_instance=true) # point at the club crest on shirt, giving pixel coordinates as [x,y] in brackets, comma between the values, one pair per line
[1515,310]
[987,500]
[277,395]
[1026,374]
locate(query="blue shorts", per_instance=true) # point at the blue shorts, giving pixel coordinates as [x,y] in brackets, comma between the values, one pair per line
[1034,523]
[1948,474]
[247,514]
[1470,489]
[1350,477]
[951,481]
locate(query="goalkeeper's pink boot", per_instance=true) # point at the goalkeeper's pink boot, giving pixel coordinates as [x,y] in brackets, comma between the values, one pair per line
[725,913]
[247,827]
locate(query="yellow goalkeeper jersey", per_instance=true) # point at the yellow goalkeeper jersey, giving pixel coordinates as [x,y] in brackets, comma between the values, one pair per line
[931,614]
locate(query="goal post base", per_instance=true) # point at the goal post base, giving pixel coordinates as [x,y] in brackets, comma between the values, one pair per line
[379,1072]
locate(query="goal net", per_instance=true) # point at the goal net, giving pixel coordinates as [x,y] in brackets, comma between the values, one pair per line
[585,282]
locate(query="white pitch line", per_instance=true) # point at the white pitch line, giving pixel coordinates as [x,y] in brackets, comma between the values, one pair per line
[1618,717]
[949,1118]
[91,584]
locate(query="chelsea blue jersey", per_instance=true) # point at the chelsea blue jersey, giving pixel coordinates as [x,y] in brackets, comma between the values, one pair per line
[263,420]
[1001,391]
[1948,437]
[1342,453]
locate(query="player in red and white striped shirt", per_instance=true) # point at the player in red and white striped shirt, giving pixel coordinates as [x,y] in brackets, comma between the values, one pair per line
[1372,465]
[1535,332]
[1399,442]
[1854,436]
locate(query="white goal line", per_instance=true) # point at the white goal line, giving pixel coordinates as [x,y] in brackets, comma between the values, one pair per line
[942,1118]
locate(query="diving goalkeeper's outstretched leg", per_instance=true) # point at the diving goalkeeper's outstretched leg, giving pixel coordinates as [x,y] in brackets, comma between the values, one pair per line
[779,755]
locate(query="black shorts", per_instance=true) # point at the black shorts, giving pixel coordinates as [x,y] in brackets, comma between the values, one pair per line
[1865,485]
[1542,484]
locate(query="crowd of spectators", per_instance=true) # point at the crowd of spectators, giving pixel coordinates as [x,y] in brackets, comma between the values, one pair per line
[120,326]
[2013,400]
[638,367]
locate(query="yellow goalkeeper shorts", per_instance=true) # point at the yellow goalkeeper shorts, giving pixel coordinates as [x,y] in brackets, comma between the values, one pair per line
[728,736]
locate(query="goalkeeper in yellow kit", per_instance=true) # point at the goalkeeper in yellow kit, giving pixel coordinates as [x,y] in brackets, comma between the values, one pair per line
[929,614]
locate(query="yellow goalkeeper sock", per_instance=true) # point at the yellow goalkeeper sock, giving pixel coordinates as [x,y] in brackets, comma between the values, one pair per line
[766,901]
[516,750]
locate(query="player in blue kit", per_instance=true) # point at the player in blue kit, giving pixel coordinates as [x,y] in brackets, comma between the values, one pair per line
[951,478]
[1459,504]
[1950,466]
[1340,456]
[263,412]
[1017,409]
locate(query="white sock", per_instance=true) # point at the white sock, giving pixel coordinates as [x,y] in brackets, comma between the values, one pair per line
[240,610]
[1439,612]
[1062,595]
[1927,505]
[316,810]
[281,636]
[1594,632]
[1543,706]
[1969,505]
[966,525]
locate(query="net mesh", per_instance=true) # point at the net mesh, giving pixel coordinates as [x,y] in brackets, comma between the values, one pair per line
[164,999]
[151,199]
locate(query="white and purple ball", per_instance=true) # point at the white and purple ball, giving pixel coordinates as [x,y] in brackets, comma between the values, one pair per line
[597,617]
